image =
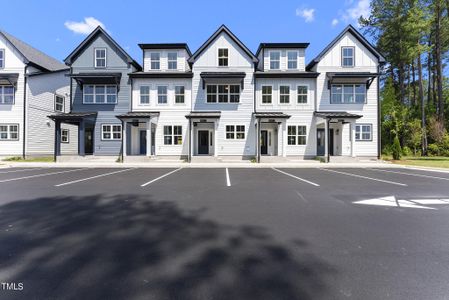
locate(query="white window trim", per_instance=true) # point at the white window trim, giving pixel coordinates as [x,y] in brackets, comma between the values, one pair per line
[2,66]
[218,57]
[112,132]
[289,94]
[172,61]
[296,59]
[63,103]
[172,135]
[297,135]
[360,139]
[2,90]
[308,96]
[8,132]
[151,61]
[67,135]
[105,57]
[342,94]
[229,94]
[157,94]
[234,132]
[262,94]
[149,95]
[343,57]
[174,91]
[105,94]
[269,59]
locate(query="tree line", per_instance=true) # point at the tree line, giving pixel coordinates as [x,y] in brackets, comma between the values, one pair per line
[413,35]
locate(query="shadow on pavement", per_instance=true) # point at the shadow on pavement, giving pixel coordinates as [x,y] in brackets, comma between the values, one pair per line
[131,247]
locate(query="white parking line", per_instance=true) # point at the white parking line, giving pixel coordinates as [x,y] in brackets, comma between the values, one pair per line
[40,175]
[22,170]
[366,177]
[228,180]
[93,177]
[296,177]
[410,174]
[160,177]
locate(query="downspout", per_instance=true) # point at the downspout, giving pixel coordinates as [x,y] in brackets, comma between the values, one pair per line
[71,104]
[24,111]
[255,119]
[379,120]
[328,140]
[123,149]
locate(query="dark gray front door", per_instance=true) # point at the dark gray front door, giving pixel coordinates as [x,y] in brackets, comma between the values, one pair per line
[331,142]
[89,141]
[264,142]
[320,142]
[143,142]
[203,142]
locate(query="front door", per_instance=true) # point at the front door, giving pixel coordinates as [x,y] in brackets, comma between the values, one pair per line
[203,142]
[264,142]
[320,142]
[143,142]
[331,142]
[89,141]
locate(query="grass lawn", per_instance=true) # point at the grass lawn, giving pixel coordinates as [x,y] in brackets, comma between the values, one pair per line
[30,159]
[435,162]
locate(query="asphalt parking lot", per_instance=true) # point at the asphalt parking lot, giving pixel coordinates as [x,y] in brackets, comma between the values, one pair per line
[138,233]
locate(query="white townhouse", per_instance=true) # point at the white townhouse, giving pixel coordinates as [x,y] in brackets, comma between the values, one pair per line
[32,85]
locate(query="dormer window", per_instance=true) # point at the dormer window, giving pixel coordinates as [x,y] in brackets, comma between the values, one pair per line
[223,57]
[2,58]
[155,60]
[275,60]
[347,57]
[172,58]
[292,60]
[100,57]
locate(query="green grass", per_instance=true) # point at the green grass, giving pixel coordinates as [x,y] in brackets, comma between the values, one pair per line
[434,162]
[30,159]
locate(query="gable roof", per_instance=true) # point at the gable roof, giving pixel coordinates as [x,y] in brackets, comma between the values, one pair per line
[358,36]
[69,60]
[33,56]
[226,30]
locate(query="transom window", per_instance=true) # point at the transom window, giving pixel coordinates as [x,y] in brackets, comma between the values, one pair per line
[100,57]
[363,132]
[155,58]
[235,132]
[302,94]
[275,60]
[292,60]
[144,94]
[100,94]
[179,94]
[348,93]
[223,93]
[59,103]
[2,58]
[284,94]
[223,57]
[347,56]
[9,132]
[172,58]
[111,132]
[162,94]
[297,135]
[267,94]
[65,136]
[173,135]
[6,94]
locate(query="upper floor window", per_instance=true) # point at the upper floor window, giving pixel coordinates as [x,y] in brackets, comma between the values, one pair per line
[267,94]
[297,135]
[302,94]
[6,94]
[292,60]
[9,132]
[347,56]
[162,94]
[223,57]
[59,103]
[2,58]
[363,132]
[284,94]
[144,94]
[100,94]
[179,94]
[155,58]
[223,92]
[100,57]
[275,60]
[172,58]
[348,93]
[111,132]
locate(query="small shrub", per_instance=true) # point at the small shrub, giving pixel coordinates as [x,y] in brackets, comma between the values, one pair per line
[406,151]
[433,150]
[397,151]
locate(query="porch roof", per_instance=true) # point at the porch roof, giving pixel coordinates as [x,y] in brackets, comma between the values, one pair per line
[336,115]
[204,114]
[146,114]
[72,117]
[9,78]
[271,115]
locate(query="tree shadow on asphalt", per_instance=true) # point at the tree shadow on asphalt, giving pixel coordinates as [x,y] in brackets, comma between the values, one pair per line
[131,247]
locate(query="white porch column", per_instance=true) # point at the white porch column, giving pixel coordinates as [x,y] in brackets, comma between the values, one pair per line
[125,143]
[149,137]
[215,138]
[282,129]
[352,133]
[326,137]
[191,137]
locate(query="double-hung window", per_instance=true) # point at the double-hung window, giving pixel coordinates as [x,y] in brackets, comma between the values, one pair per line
[363,132]
[179,94]
[347,57]
[6,94]
[173,135]
[348,93]
[211,94]
[59,103]
[275,60]
[100,94]
[223,57]
[100,57]
[162,94]
[284,94]
[172,58]
[223,93]
[9,132]
[155,58]
[302,94]
[65,136]
[235,132]
[110,132]
[267,94]
[292,60]
[144,94]
[2,58]
[296,135]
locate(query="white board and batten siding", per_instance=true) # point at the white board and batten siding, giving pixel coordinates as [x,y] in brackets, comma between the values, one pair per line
[231,113]
[365,61]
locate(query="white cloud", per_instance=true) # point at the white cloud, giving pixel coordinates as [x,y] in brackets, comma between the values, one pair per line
[308,14]
[84,27]
[335,22]
[361,8]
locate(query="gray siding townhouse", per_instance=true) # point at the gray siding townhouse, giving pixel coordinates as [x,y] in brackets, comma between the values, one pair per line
[100,91]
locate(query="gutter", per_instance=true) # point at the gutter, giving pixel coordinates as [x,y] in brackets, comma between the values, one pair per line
[24,111]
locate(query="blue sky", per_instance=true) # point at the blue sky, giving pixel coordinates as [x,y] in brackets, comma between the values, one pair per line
[57,27]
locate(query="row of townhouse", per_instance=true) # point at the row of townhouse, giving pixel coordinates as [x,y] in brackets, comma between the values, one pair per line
[222,101]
